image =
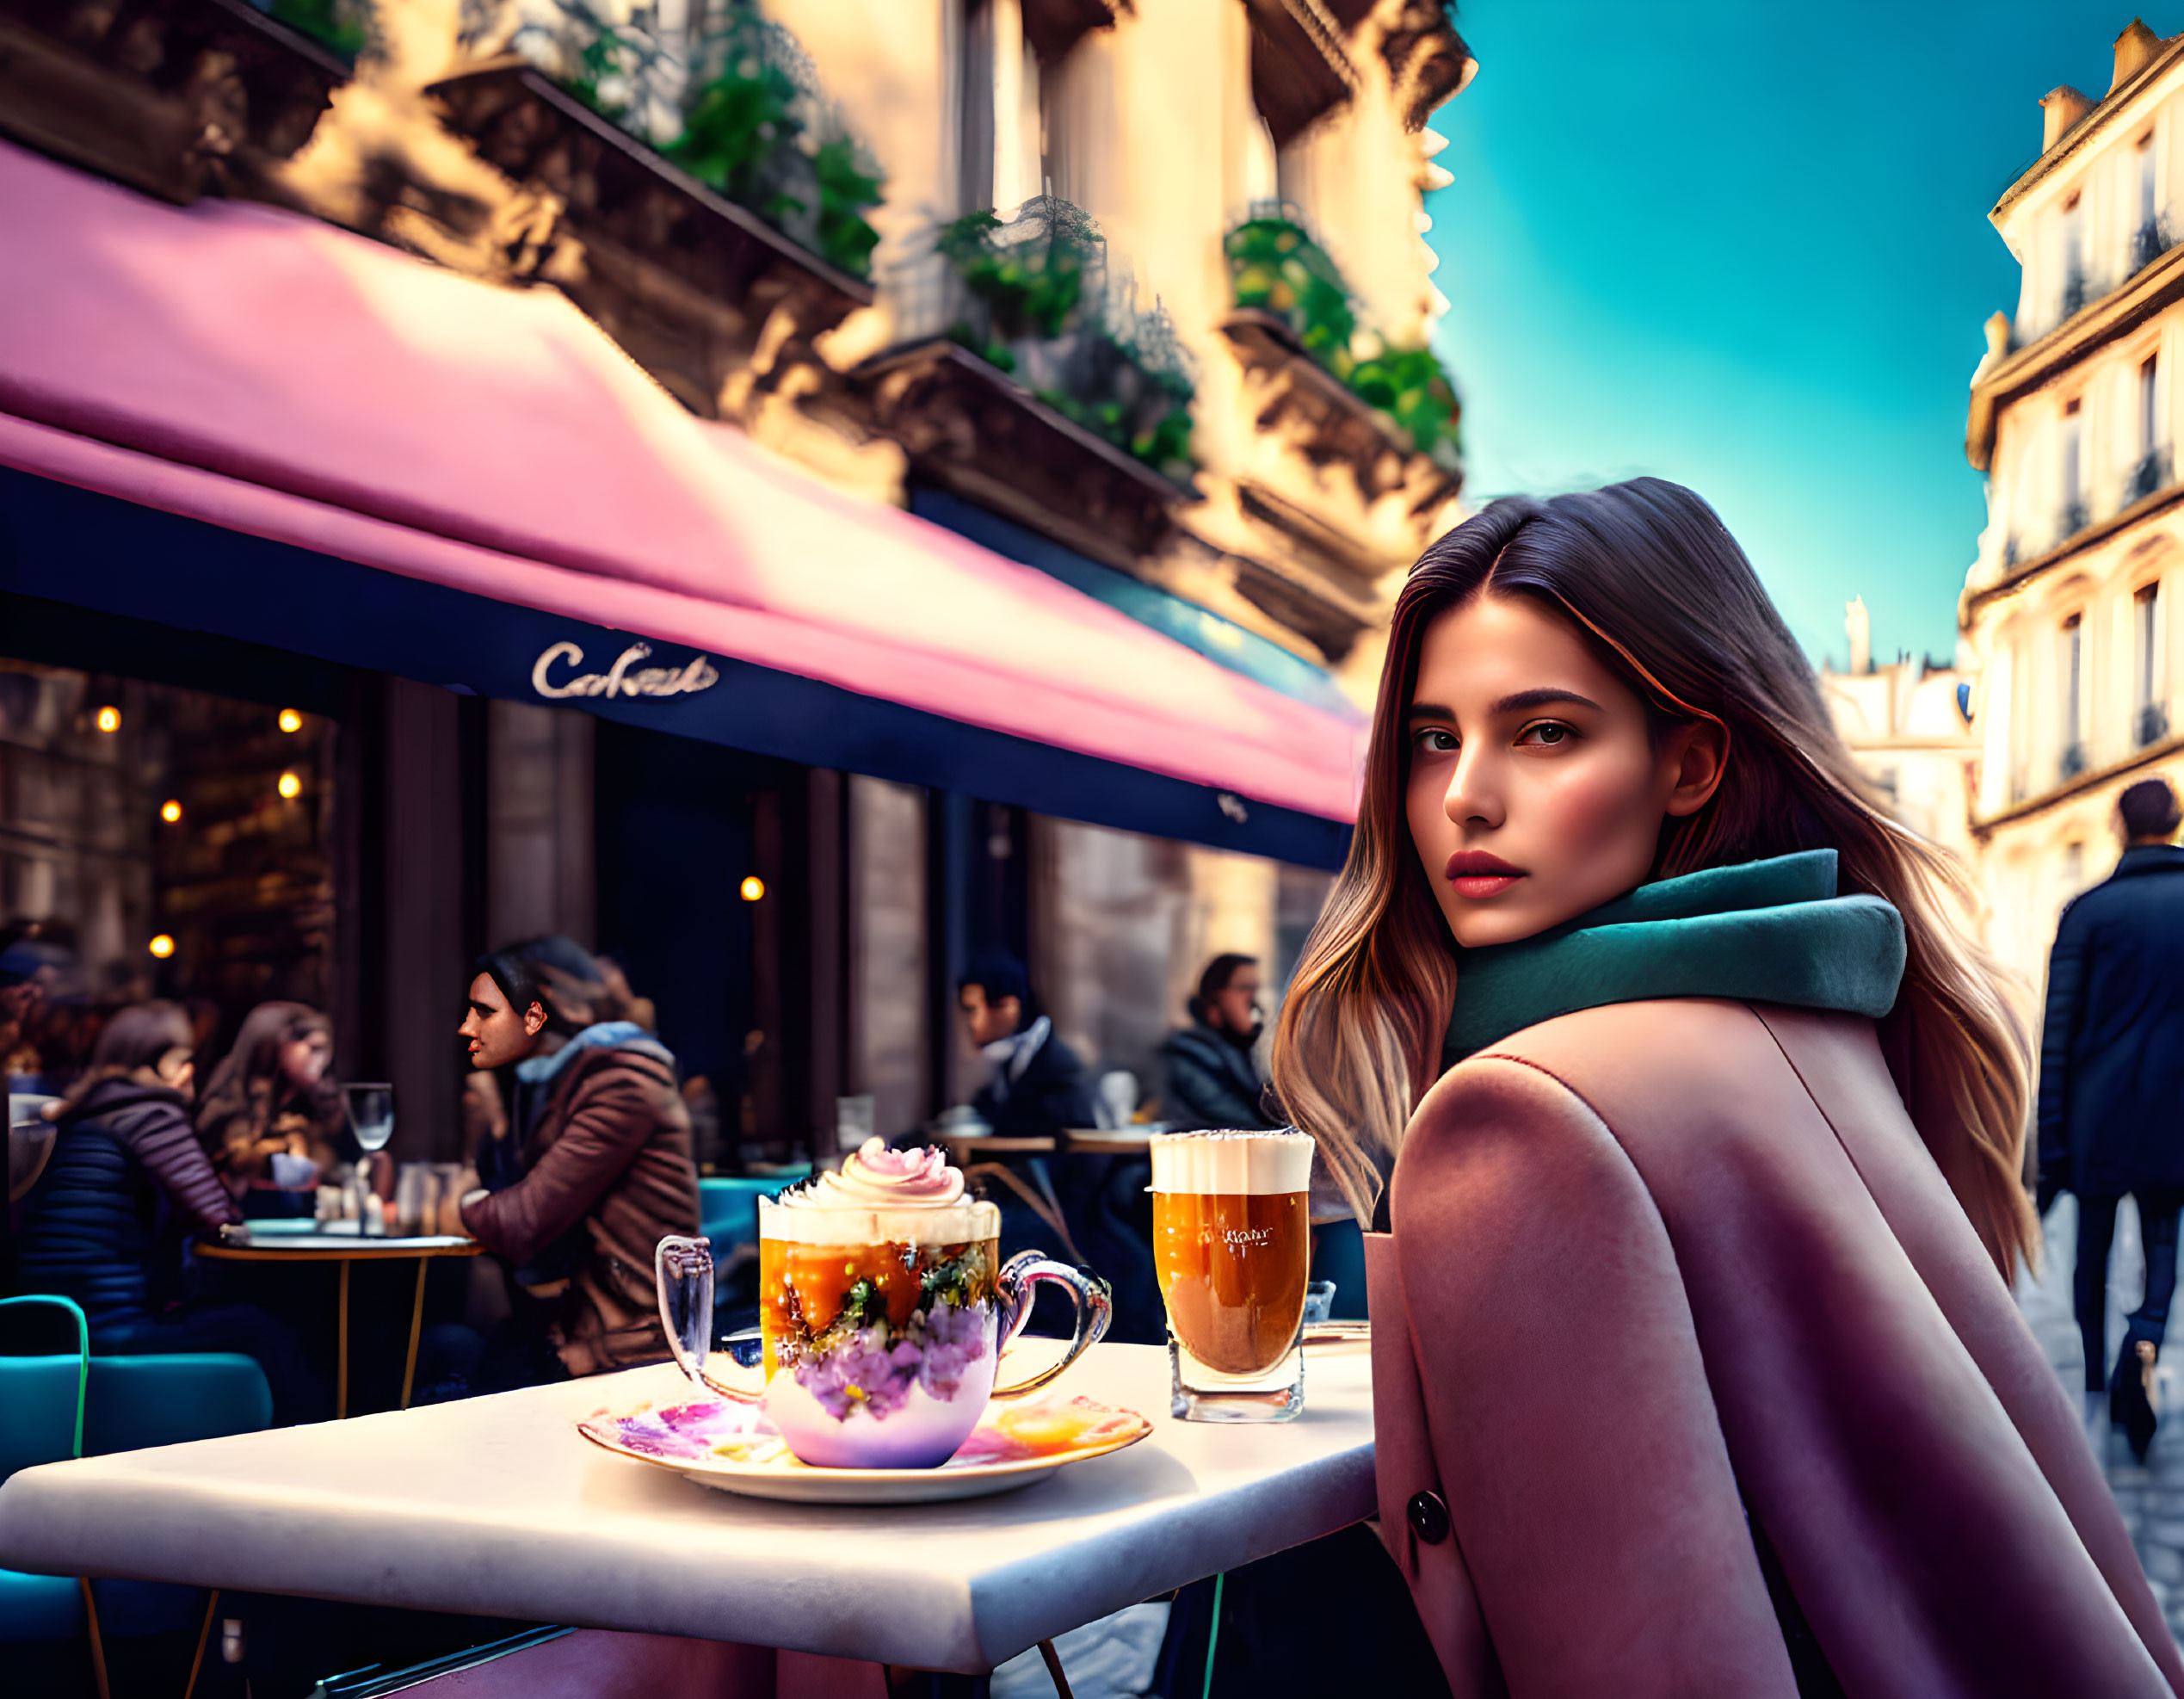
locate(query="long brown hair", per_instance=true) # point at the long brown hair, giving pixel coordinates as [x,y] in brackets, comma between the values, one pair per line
[250,1087]
[1651,578]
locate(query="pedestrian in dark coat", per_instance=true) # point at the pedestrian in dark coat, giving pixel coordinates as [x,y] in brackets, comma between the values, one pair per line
[2112,1089]
[608,1165]
[1213,1080]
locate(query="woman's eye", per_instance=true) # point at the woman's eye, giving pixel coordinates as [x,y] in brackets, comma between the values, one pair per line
[1547,734]
[1437,740]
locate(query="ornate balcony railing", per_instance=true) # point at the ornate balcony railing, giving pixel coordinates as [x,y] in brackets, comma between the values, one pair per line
[1033,298]
[739,107]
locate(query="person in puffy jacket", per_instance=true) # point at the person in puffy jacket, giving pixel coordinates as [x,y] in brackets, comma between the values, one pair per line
[124,1187]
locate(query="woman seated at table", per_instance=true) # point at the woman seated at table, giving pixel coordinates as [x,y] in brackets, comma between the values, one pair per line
[125,1184]
[1693,1131]
[604,1156]
[271,1119]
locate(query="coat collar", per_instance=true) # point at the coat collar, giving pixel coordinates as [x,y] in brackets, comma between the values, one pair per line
[1765,931]
[2149,858]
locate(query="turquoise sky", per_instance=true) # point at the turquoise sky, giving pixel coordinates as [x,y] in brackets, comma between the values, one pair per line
[1745,246]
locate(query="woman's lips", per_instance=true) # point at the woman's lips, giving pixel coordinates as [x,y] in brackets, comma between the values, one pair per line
[1474,874]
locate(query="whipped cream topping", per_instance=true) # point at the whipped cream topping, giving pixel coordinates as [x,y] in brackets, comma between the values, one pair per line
[876,1177]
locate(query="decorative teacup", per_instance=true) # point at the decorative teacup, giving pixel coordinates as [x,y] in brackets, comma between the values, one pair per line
[884,1311]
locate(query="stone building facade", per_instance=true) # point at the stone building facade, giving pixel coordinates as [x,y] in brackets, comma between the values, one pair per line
[2068,615]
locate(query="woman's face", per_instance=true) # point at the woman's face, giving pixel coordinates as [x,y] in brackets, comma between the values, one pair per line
[1535,792]
[498,1035]
[303,1060]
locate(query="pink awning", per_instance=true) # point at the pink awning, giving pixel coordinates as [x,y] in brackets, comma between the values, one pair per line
[277,376]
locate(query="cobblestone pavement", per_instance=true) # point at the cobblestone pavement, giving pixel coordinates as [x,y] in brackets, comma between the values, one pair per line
[2151,1498]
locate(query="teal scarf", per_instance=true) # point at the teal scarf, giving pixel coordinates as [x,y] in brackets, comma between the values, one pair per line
[1772,931]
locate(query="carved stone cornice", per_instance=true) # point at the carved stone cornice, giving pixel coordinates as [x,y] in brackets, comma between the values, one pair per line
[1300,69]
[1307,576]
[974,431]
[175,97]
[2155,286]
[1053,27]
[1298,397]
[688,282]
[1427,61]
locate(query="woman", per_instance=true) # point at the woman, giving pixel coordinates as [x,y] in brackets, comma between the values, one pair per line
[124,1185]
[272,1119]
[1696,1370]
[605,1171]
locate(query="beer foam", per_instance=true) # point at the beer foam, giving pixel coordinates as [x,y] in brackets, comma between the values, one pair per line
[1238,1164]
[958,1223]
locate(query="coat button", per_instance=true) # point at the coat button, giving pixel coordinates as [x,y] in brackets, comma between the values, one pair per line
[1427,1515]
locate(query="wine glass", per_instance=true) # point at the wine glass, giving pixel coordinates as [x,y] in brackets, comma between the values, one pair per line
[371,1117]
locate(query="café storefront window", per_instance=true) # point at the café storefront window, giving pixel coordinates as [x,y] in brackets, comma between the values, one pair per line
[158,841]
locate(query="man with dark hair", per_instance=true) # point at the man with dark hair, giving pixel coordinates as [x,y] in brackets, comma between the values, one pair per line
[1038,1086]
[1213,1080]
[2112,1089]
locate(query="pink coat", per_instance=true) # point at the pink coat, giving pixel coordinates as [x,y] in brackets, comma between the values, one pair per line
[1650,1254]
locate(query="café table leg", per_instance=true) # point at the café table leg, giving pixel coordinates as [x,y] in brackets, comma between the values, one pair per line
[417,1327]
[1054,1670]
[211,1605]
[341,1372]
[98,1645]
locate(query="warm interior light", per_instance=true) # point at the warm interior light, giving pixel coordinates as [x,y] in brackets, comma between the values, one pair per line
[754,887]
[291,720]
[171,811]
[163,946]
[290,784]
[108,719]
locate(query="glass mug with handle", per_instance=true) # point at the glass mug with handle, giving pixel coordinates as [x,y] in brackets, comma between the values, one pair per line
[884,1309]
[1232,1246]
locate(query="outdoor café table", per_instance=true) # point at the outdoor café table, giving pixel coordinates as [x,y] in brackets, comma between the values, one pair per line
[497,1506]
[257,1244]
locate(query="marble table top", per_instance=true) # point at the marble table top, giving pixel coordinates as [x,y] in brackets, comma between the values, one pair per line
[497,1506]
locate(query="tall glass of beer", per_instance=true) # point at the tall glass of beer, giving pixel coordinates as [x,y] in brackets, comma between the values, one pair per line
[1232,1242]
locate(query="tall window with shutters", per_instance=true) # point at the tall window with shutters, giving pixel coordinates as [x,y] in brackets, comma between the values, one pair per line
[2151,690]
[2072,679]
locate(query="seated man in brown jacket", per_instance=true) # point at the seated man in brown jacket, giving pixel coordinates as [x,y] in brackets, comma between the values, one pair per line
[606,1169]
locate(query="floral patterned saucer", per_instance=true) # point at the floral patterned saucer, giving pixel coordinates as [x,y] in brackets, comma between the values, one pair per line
[719,1444]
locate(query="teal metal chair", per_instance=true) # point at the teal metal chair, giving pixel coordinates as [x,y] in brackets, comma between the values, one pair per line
[137,1402]
[728,1209]
[57,1407]
[41,1421]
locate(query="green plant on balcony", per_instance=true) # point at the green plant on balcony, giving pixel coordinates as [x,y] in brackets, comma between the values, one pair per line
[743,113]
[1037,307]
[1410,386]
[338,24]
[1275,268]
[1029,284]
